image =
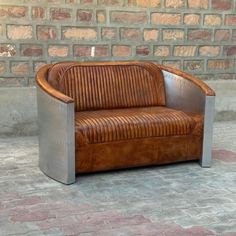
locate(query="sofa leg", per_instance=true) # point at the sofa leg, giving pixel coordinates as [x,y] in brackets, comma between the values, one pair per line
[205,160]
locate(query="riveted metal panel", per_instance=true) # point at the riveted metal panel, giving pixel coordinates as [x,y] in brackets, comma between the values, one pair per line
[56,138]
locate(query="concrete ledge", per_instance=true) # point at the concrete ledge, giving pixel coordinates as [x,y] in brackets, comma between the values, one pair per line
[18,111]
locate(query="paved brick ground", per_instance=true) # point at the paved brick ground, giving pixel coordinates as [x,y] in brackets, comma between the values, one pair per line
[173,200]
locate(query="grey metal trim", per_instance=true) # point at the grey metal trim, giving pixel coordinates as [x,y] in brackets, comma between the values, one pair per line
[184,95]
[56,138]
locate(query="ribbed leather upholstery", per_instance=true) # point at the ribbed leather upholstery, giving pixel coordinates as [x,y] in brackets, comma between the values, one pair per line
[122,124]
[109,86]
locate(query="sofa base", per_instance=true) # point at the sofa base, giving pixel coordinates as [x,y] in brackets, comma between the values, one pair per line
[138,152]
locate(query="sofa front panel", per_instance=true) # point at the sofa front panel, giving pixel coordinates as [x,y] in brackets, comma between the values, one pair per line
[105,86]
[137,152]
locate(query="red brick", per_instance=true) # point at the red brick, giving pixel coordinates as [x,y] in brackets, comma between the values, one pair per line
[162,51]
[60,14]
[150,34]
[165,19]
[199,4]
[84,15]
[20,68]
[13,12]
[109,33]
[90,51]
[130,34]
[38,12]
[101,16]
[209,51]
[173,34]
[173,64]
[129,17]
[87,2]
[79,33]
[212,20]
[2,67]
[222,4]
[230,20]
[230,50]
[142,50]
[202,35]
[218,64]
[221,35]
[144,3]
[19,32]
[194,65]
[121,51]
[7,50]
[111,2]
[192,19]
[38,65]
[185,51]
[46,32]
[174,3]
[58,51]
[31,50]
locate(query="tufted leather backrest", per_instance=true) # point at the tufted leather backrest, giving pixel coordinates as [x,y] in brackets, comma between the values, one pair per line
[108,85]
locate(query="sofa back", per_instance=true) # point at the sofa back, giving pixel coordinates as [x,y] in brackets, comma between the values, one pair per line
[109,85]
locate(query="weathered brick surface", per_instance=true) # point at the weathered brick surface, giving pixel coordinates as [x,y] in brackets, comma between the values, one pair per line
[182,34]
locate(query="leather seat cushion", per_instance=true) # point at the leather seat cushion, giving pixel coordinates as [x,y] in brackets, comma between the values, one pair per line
[132,123]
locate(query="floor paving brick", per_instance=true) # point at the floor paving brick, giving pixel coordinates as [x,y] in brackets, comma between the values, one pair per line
[171,200]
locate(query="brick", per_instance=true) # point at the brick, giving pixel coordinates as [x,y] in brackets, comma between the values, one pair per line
[230,19]
[230,50]
[199,35]
[144,3]
[13,82]
[165,19]
[121,51]
[174,3]
[109,33]
[13,12]
[38,13]
[19,32]
[218,64]
[130,34]
[101,16]
[161,51]
[46,32]
[85,16]
[150,34]
[87,2]
[31,50]
[38,65]
[60,14]
[20,68]
[185,51]
[222,4]
[212,20]
[234,35]
[129,17]
[209,51]
[1,30]
[191,19]
[58,51]
[173,34]
[221,35]
[91,51]
[173,64]
[198,4]
[7,50]
[2,67]
[111,2]
[142,50]
[70,1]
[195,65]
[79,33]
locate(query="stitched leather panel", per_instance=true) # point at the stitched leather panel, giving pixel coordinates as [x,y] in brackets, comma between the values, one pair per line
[111,85]
[122,124]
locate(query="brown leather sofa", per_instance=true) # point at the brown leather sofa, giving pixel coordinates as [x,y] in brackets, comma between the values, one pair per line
[96,116]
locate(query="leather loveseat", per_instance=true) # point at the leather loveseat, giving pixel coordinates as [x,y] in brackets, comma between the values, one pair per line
[96,116]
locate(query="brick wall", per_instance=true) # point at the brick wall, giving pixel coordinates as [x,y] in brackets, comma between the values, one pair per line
[197,36]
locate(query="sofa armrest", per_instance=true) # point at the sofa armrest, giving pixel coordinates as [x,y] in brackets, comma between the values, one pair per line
[187,93]
[41,80]
[56,131]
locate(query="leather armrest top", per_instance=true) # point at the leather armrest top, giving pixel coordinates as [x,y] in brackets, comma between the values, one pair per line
[44,85]
[203,86]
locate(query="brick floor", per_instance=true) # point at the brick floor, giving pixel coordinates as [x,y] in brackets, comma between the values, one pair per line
[173,200]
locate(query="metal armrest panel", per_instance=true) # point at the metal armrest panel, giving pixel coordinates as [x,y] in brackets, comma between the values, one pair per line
[56,137]
[183,94]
